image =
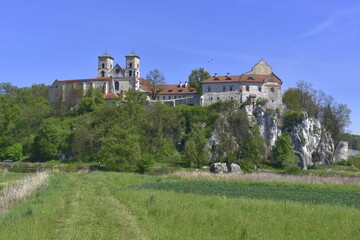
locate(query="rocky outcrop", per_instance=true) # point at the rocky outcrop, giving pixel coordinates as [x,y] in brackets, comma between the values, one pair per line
[314,145]
[269,123]
[223,168]
[234,168]
[218,168]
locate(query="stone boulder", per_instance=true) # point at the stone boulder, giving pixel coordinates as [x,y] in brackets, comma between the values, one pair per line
[235,168]
[218,168]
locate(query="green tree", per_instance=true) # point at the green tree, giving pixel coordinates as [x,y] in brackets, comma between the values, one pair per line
[121,150]
[14,152]
[51,140]
[253,151]
[6,88]
[283,152]
[196,77]
[195,149]
[93,98]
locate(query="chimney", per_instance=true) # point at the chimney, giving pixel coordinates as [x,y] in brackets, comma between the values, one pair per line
[186,84]
[216,74]
[228,74]
[180,84]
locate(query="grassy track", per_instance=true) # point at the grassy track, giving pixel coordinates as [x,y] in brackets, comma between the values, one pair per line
[113,206]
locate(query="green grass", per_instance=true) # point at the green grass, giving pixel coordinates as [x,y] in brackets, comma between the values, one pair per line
[104,205]
[8,177]
[277,192]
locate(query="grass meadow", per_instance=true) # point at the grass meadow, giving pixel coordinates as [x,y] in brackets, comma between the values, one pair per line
[107,205]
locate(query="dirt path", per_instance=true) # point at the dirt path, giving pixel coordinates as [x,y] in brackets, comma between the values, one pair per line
[93,213]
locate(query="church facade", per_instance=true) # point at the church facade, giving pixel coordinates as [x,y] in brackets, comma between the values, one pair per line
[112,79]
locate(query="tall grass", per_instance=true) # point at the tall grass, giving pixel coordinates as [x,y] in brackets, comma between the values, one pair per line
[13,194]
[271,177]
[105,205]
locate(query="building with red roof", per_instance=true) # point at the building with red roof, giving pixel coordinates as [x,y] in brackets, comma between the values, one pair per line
[258,84]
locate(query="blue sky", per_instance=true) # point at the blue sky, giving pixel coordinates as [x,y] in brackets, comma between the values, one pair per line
[315,41]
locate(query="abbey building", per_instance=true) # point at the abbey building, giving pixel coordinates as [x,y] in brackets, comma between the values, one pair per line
[258,84]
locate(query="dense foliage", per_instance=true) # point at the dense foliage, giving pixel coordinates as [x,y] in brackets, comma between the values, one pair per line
[127,134]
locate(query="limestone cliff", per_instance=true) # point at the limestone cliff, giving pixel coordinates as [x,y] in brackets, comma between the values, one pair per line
[312,143]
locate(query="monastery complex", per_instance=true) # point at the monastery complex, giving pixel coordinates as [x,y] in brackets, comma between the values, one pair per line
[258,84]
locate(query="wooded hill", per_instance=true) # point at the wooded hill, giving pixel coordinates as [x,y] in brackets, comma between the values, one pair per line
[130,134]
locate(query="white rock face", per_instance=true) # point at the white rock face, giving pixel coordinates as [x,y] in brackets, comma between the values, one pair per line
[312,144]
[268,125]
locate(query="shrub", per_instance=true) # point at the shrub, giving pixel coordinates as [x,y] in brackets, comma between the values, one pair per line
[261,102]
[344,163]
[283,151]
[355,161]
[293,170]
[246,103]
[292,118]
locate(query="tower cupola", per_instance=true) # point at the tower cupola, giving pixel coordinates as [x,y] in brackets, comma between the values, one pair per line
[132,65]
[105,64]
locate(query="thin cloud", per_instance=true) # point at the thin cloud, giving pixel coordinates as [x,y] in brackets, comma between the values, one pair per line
[347,16]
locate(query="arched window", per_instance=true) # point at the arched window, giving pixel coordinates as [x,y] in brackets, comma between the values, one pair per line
[130,73]
[117,71]
[103,65]
[102,74]
[117,86]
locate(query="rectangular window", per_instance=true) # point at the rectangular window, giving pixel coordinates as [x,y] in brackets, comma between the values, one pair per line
[224,88]
[169,97]
[259,89]
[174,97]
[209,89]
[230,88]
[247,88]
[158,97]
[163,97]
[272,89]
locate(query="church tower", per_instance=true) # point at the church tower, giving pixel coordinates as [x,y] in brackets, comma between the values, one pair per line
[132,69]
[105,65]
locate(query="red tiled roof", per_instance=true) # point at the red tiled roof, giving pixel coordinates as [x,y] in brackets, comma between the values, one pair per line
[85,79]
[110,95]
[252,78]
[231,78]
[170,89]
[237,78]
[252,95]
